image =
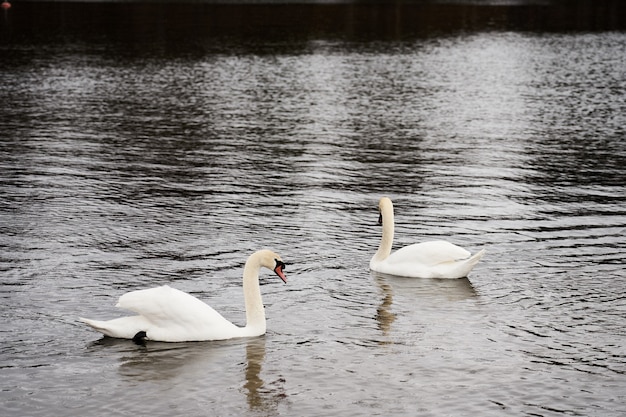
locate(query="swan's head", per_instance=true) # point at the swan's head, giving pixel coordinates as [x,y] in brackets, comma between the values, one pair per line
[279,269]
[272,260]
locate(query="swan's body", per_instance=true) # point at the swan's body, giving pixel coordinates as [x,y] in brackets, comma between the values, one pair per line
[436,259]
[168,315]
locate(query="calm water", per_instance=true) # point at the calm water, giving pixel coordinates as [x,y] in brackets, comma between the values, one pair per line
[125,165]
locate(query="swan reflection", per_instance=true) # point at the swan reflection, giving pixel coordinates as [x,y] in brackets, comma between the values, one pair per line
[200,363]
[160,361]
[384,316]
[260,396]
[418,292]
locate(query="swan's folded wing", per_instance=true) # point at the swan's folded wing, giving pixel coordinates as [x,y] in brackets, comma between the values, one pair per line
[164,306]
[429,253]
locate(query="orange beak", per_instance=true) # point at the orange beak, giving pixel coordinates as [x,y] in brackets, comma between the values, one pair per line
[280,266]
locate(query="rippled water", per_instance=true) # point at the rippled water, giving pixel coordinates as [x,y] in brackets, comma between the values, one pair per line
[121,170]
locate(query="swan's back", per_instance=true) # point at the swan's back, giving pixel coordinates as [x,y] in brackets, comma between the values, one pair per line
[429,253]
[173,315]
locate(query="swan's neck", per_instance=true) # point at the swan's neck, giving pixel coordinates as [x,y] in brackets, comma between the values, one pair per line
[384,249]
[255,312]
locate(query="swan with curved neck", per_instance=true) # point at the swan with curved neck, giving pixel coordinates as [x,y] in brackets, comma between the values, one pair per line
[168,315]
[435,259]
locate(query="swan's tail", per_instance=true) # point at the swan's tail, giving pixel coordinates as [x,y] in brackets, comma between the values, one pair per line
[123,327]
[459,268]
[465,267]
[473,260]
[98,325]
[92,323]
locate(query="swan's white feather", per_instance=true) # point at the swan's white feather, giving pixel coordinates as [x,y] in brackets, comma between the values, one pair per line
[429,253]
[458,268]
[168,315]
[172,314]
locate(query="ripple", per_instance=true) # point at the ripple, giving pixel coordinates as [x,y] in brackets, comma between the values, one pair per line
[124,173]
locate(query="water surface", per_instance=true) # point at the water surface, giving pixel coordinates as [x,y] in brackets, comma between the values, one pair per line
[125,166]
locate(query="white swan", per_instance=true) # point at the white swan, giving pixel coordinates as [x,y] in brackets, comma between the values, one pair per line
[436,259]
[170,315]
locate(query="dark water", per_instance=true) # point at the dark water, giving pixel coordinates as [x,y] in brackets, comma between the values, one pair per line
[134,155]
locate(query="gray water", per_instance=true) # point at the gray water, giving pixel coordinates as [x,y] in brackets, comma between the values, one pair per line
[122,171]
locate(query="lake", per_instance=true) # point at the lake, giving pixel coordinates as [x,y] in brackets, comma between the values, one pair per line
[144,144]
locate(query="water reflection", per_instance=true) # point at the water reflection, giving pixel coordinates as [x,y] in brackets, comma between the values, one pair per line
[426,288]
[193,362]
[156,361]
[261,396]
[384,316]
[162,27]
[255,355]
[423,293]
